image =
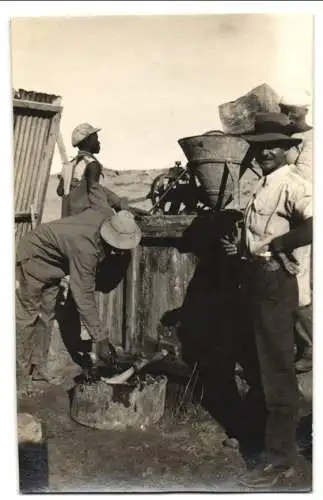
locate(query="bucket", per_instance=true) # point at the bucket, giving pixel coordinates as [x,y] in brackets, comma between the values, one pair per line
[210,156]
[134,404]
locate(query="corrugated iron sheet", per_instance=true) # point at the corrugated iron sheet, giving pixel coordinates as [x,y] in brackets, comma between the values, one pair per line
[31,95]
[35,130]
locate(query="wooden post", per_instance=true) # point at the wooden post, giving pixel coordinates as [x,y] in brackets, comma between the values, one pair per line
[61,148]
[131,293]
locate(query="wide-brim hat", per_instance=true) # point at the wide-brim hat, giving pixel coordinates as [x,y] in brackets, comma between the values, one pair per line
[272,127]
[121,231]
[272,137]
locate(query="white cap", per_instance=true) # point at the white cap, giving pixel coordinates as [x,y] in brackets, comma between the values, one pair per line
[300,98]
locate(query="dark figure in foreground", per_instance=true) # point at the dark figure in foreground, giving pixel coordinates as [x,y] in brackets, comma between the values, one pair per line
[73,246]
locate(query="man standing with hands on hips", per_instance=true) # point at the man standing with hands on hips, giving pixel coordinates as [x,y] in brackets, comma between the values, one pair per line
[277,220]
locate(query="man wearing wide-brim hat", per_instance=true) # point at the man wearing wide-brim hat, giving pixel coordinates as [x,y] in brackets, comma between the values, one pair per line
[73,246]
[277,220]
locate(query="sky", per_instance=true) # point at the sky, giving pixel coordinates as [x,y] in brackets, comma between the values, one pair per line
[149,80]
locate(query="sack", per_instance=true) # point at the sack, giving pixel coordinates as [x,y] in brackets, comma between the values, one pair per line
[238,117]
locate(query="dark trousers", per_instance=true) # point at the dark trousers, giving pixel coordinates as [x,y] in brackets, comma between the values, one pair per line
[35,311]
[271,298]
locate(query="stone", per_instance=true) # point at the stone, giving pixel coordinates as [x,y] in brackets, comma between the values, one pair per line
[29,429]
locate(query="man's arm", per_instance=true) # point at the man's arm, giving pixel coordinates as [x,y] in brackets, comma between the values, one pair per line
[100,196]
[298,237]
[82,286]
[300,208]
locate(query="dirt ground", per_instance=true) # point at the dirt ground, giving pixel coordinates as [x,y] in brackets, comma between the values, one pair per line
[185,454]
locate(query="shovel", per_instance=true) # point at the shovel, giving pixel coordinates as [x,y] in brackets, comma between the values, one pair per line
[123,377]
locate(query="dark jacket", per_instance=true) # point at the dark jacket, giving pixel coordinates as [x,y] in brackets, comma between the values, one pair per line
[71,246]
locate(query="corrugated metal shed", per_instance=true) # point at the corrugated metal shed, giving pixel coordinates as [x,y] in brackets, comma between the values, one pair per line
[36,119]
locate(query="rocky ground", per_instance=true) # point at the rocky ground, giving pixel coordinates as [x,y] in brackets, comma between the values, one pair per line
[175,455]
[180,453]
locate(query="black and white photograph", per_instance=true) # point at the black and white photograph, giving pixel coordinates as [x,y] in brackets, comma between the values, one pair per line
[163,251]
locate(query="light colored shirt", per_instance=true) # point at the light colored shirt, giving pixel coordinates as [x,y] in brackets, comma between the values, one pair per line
[280,201]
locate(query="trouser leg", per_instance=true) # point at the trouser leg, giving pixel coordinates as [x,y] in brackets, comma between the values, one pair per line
[304,323]
[222,351]
[44,326]
[254,411]
[303,315]
[35,310]
[28,299]
[274,300]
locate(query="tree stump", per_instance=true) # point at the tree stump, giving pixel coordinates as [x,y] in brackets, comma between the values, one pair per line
[137,404]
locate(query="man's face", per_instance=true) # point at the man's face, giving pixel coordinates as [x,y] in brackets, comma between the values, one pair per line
[270,156]
[110,250]
[94,143]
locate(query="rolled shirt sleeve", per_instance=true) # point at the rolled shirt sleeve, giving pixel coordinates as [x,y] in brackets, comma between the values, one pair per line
[300,201]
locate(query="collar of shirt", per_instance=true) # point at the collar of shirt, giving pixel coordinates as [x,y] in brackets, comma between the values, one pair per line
[276,176]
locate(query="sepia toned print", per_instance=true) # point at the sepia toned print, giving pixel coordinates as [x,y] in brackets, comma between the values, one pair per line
[163,171]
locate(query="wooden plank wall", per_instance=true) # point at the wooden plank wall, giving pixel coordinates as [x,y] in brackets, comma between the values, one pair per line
[155,283]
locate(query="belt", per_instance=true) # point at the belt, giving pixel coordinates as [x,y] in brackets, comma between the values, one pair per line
[264,259]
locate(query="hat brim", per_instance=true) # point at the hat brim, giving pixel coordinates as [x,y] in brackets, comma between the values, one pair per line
[95,131]
[117,240]
[271,137]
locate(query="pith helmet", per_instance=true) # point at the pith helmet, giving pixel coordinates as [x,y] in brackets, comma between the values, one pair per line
[121,231]
[81,132]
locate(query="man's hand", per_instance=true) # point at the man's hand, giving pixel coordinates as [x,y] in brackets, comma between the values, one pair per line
[289,263]
[228,246]
[286,259]
[106,352]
